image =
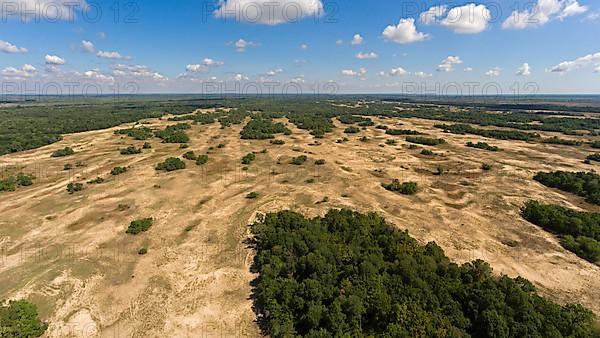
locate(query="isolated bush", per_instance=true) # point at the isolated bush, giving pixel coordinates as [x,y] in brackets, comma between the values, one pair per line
[426,152]
[142,225]
[190,155]
[63,152]
[248,158]
[252,195]
[202,159]
[405,188]
[299,160]
[131,150]
[142,251]
[278,142]
[67,166]
[74,187]
[482,145]
[171,164]
[594,157]
[486,166]
[320,162]
[24,180]
[147,145]
[118,171]
[351,130]
[97,180]
[425,140]
[391,142]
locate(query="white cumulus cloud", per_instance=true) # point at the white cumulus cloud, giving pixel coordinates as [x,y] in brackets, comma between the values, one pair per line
[398,72]
[7,47]
[468,19]
[524,70]
[584,61]
[433,14]
[423,74]
[54,60]
[493,72]
[404,32]
[241,45]
[357,39]
[349,72]
[542,12]
[109,55]
[447,65]
[12,73]
[88,46]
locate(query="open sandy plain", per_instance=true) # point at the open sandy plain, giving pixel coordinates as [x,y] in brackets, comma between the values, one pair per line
[71,256]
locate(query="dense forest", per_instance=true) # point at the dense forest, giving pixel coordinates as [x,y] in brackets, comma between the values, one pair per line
[262,129]
[580,183]
[497,134]
[350,275]
[579,231]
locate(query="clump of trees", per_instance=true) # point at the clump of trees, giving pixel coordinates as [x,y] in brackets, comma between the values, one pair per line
[579,231]
[74,187]
[118,171]
[137,133]
[171,164]
[317,123]
[320,162]
[595,144]
[19,318]
[147,146]
[66,151]
[201,159]
[261,129]
[355,275]
[299,160]
[190,155]
[141,225]
[425,140]
[491,133]
[593,157]
[97,180]
[13,182]
[557,140]
[482,145]
[352,119]
[248,158]
[278,142]
[580,183]
[351,130]
[405,188]
[131,150]
[174,134]
[401,132]
[426,152]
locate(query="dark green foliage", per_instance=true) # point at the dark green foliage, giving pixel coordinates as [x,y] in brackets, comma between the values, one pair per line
[368,123]
[594,157]
[352,119]
[426,152]
[142,225]
[486,166]
[252,195]
[12,182]
[137,133]
[74,187]
[66,151]
[261,129]
[142,251]
[497,134]
[174,134]
[425,140]
[364,139]
[580,183]
[97,180]
[351,130]
[299,160]
[353,275]
[221,146]
[579,231]
[320,162]
[19,319]
[131,150]
[248,158]
[382,127]
[595,144]
[190,155]
[318,124]
[405,188]
[147,146]
[67,166]
[24,180]
[391,142]
[482,145]
[118,171]
[278,142]
[201,159]
[439,170]
[171,164]
[556,140]
[401,132]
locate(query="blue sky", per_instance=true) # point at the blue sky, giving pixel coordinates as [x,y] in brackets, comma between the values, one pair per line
[367,47]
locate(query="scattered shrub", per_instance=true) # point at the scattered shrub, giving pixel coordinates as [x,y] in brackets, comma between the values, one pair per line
[351,130]
[299,160]
[405,188]
[486,166]
[118,171]
[63,152]
[74,187]
[252,195]
[131,150]
[320,162]
[171,164]
[201,159]
[482,145]
[425,140]
[142,225]
[142,251]
[426,152]
[147,145]
[97,180]
[190,155]
[248,158]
